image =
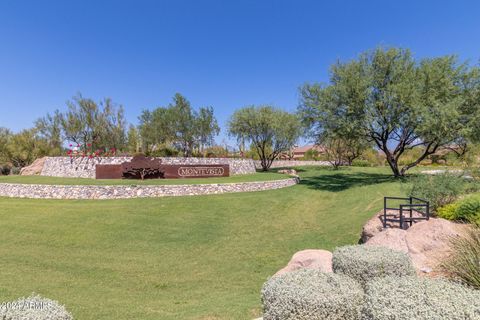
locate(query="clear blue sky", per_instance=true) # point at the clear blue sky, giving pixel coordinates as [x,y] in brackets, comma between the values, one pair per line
[225,54]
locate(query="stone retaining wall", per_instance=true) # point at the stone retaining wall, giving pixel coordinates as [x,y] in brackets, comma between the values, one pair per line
[85,168]
[293,163]
[39,191]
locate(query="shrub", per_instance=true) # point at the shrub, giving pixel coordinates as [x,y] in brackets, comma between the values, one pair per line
[364,263]
[5,170]
[34,308]
[309,294]
[448,212]
[464,262]
[15,170]
[439,189]
[467,209]
[405,298]
[360,163]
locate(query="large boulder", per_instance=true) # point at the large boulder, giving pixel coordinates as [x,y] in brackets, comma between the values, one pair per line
[426,242]
[309,259]
[34,169]
[375,225]
[390,238]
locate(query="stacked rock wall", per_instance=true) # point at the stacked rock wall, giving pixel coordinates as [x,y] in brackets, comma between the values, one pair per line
[38,191]
[85,168]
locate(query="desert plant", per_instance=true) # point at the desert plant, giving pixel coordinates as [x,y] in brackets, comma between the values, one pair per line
[34,307]
[364,263]
[467,209]
[439,189]
[309,294]
[360,163]
[405,298]
[448,211]
[15,170]
[5,170]
[464,263]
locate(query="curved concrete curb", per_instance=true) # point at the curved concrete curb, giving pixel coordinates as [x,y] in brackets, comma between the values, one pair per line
[42,191]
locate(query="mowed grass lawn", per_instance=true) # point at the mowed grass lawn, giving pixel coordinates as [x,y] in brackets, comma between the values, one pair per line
[202,257]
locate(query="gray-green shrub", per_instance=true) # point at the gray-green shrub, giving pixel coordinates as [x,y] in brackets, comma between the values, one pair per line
[364,263]
[34,307]
[406,298]
[439,189]
[15,170]
[309,294]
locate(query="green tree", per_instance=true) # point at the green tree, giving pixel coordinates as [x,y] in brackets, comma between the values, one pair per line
[49,128]
[395,102]
[207,128]
[100,125]
[24,147]
[133,140]
[179,125]
[5,136]
[270,130]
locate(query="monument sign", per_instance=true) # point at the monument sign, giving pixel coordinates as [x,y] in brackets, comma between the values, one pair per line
[141,167]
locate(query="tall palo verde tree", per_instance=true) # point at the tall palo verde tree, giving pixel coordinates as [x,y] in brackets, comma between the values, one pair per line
[271,131]
[388,98]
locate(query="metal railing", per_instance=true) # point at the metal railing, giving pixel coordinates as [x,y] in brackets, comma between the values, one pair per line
[405,211]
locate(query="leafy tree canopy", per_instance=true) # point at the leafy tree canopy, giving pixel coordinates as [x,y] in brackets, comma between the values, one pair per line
[270,130]
[179,125]
[387,98]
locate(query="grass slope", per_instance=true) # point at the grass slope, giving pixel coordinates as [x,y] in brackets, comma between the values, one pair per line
[259,176]
[202,257]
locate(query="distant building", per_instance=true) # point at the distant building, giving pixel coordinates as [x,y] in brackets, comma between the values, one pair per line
[298,153]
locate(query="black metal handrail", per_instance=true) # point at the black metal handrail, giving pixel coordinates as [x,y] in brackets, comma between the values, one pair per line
[423,207]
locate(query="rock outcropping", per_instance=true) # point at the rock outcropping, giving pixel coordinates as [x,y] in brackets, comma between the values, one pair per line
[309,259]
[34,169]
[426,242]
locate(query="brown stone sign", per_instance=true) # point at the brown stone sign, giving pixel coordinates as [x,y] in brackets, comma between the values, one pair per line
[141,167]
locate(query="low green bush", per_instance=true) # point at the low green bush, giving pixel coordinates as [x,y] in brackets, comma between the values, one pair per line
[439,189]
[309,294]
[364,263]
[467,209]
[464,262]
[406,298]
[448,211]
[34,308]
[361,163]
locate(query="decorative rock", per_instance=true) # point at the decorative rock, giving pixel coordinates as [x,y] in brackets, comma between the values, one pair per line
[429,241]
[291,172]
[390,238]
[426,242]
[426,270]
[309,259]
[375,224]
[34,169]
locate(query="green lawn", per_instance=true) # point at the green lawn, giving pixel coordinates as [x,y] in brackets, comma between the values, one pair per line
[202,257]
[259,176]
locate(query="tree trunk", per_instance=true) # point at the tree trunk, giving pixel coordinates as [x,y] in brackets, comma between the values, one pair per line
[394,166]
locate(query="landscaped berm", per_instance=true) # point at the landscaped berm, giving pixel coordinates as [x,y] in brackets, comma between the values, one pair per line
[203,257]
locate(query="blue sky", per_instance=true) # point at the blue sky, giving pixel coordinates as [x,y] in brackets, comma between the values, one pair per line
[224,54]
